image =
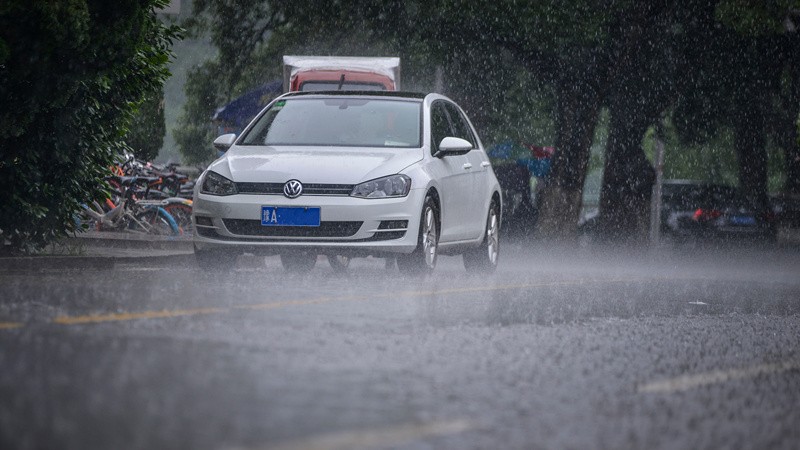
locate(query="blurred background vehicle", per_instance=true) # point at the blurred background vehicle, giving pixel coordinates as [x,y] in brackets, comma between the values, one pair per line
[699,212]
[786,207]
[354,73]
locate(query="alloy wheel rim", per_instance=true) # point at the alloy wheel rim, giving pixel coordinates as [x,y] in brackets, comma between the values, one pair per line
[429,237]
[493,237]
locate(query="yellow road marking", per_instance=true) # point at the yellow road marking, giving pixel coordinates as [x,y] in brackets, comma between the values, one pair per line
[125,316]
[283,304]
[9,325]
[67,320]
[276,305]
[387,437]
[689,382]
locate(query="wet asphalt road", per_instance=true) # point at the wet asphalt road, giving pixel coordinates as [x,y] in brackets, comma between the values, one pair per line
[687,349]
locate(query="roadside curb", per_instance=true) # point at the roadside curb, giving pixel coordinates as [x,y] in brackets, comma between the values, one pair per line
[34,263]
[52,263]
[129,241]
[102,250]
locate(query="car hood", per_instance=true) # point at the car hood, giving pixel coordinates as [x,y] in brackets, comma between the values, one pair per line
[326,165]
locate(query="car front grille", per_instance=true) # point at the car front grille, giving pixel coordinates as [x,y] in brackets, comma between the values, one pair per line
[308,189]
[247,227]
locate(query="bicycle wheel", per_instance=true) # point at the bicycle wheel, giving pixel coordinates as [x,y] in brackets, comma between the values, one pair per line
[153,221]
[182,214]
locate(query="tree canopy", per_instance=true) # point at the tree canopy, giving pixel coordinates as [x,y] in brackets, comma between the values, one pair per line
[705,66]
[72,74]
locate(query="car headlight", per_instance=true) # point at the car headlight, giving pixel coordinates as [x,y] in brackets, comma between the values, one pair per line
[391,186]
[216,184]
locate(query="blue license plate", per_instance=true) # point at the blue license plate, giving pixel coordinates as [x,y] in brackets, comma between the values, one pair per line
[743,220]
[301,216]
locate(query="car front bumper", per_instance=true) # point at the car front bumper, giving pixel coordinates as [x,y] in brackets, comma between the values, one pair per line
[349,225]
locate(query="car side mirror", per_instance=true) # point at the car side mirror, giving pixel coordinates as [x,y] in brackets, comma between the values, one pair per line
[453,146]
[224,142]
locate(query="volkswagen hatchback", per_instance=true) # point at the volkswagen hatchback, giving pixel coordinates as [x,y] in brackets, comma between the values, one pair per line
[349,174]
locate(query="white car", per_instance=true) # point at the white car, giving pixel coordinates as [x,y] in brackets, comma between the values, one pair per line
[348,174]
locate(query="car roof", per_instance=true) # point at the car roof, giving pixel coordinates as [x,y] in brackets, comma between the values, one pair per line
[391,94]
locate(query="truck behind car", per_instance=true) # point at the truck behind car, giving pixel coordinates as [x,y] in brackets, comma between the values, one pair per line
[331,73]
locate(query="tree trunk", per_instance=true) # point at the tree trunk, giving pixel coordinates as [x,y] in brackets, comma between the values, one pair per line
[639,92]
[749,142]
[627,180]
[560,201]
[792,147]
[792,157]
[752,100]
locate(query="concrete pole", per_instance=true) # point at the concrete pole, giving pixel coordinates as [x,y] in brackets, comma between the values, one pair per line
[655,201]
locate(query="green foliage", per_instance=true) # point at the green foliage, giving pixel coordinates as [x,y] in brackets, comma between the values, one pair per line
[710,160]
[72,74]
[755,18]
[745,79]
[523,114]
[504,99]
[146,131]
[194,133]
[236,28]
[536,71]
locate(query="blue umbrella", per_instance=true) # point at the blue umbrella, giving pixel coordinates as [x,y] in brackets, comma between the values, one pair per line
[238,113]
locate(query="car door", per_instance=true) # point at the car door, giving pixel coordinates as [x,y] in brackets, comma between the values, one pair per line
[477,166]
[453,177]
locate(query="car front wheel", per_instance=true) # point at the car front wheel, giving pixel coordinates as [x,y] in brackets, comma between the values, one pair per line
[484,258]
[423,259]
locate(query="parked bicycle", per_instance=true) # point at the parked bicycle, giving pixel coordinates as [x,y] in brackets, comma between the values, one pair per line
[165,183]
[124,211]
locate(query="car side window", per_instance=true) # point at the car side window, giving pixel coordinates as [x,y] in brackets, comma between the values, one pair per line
[460,125]
[440,126]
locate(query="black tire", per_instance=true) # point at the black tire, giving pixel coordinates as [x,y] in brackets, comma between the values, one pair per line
[483,259]
[422,260]
[298,262]
[215,260]
[339,263]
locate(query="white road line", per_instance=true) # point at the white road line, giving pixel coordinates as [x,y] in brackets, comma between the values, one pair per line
[689,382]
[378,437]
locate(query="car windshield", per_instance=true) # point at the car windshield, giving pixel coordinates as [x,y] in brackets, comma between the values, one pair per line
[339,121]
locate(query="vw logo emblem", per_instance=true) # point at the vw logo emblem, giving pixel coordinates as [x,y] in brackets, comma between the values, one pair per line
[292,189]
